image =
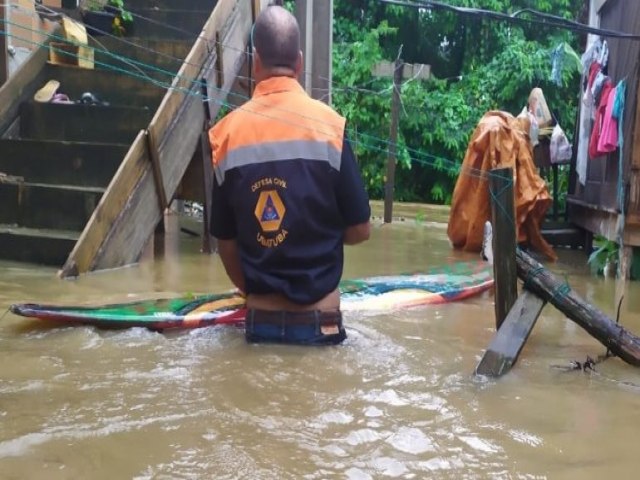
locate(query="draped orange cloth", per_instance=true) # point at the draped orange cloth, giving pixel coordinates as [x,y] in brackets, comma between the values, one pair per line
[499,141]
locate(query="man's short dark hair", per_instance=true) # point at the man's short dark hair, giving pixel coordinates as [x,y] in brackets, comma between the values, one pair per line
[276,37]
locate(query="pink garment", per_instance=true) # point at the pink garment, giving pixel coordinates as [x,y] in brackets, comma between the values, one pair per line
[597,126]
[608,141]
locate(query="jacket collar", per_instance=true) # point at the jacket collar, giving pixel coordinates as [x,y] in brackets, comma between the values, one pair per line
[276,85]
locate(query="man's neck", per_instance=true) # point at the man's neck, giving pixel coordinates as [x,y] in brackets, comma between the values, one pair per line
[276,72]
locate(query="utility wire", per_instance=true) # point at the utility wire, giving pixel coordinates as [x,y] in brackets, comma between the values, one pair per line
[545,18]
[439,163]
[372,143]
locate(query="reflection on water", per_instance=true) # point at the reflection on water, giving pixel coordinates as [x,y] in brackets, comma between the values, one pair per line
[397,400]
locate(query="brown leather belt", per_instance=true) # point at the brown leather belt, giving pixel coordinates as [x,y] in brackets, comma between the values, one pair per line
[310,317]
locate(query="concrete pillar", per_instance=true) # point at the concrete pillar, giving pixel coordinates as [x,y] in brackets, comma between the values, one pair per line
[315,18]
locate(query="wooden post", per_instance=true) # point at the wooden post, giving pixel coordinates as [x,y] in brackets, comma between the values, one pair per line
[393,139]
[304,15]
[315,18]
[550,288]
[4,44]
[505,347]
[322,50]
[152,148]
[255,11]
[504,241]
[207,168]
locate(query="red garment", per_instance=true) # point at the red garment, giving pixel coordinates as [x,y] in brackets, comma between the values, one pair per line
[608,141]
[600,114]
[594,69]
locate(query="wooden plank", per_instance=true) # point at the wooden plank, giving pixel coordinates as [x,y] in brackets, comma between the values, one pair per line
[48,247]
[389,185]
[188,73]
[68,163]
[503,211]
[507,344]
[207,181]
[4,40]
[23,84]
[47,206]
[557,292]
[169,4]
[594,220]
[182,22]
[633,172]
[632,236]
[81,123]
[132,168]
[152,149]
[164,55]
[111,86]
[115,235]
[219,62]
[207,164]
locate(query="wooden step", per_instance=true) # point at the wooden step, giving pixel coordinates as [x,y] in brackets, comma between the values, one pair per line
[47,247]
[207,5]
[159,59]
[178,22]
[47,206]
[566,236]
[82,123]
[67,163]
[115,87]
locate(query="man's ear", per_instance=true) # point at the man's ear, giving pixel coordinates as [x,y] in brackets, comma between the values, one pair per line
[299,64]
[256,62]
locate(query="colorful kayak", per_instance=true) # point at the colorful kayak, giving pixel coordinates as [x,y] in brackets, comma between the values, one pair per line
[439,285]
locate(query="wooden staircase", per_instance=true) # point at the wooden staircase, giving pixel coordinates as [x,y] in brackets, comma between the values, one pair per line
[58,160]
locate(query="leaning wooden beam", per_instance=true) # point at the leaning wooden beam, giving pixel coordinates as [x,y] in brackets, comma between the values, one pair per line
[550,288]
[129,211]
[505,347]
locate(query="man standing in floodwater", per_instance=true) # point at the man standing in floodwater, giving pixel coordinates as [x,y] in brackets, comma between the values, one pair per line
[287,197]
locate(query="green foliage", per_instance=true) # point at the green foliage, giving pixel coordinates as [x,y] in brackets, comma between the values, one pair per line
[477,65]
[125,16]
[605,253]
[122,18]
[564,172]
[290,5]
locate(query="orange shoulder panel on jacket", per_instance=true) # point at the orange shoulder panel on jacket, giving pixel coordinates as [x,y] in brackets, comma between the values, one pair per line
[276,117]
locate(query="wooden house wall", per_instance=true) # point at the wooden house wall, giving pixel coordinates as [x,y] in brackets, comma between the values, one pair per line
[600,192]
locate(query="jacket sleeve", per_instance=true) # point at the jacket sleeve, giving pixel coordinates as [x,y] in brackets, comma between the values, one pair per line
[352,197]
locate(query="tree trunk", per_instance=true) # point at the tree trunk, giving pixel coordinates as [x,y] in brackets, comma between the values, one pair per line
[555,291]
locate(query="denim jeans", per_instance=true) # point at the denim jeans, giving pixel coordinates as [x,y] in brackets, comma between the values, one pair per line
[297,328]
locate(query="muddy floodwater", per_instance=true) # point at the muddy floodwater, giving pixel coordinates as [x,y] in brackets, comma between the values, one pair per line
[397,400]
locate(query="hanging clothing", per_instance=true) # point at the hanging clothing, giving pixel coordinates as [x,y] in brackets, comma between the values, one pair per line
[594,60]
[591,54]
[618,114]
[597,126]
[499,140]
[608,141]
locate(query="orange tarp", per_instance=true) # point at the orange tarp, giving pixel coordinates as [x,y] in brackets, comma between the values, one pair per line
[499,141]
